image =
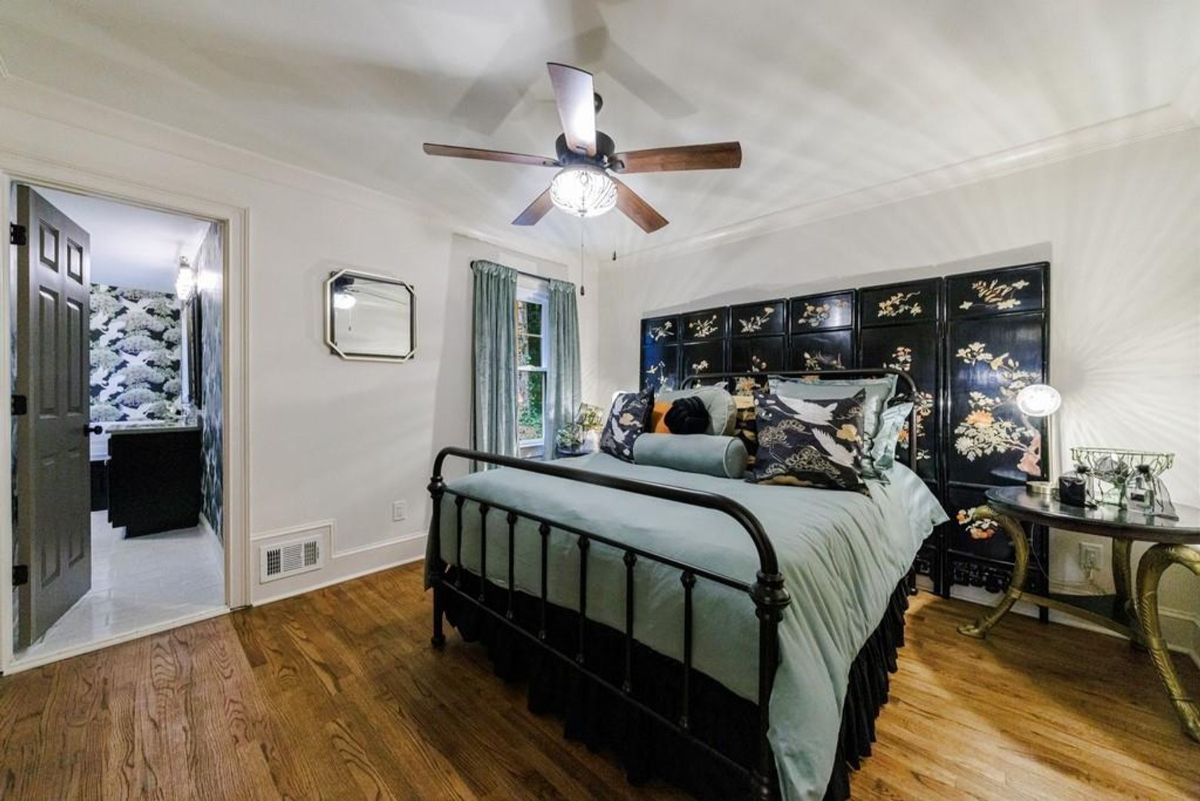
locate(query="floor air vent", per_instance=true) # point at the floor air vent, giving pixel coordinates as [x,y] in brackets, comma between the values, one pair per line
[288,558]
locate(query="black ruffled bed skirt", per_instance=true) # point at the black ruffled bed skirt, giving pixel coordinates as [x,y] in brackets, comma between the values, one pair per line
[646,747]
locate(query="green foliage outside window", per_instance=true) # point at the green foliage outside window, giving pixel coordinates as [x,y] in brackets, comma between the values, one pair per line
[531,376]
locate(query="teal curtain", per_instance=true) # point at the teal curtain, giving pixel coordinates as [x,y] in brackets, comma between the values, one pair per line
[564,393]
[494,428]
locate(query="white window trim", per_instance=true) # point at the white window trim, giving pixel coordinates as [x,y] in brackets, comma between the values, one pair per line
[532,291]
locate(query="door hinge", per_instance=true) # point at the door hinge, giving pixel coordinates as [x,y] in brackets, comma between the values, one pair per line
[18,235]
[20,575]
[20,405]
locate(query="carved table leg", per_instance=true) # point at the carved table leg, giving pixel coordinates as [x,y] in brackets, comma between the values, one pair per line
[980,627]
[1150,570]
[1123,584]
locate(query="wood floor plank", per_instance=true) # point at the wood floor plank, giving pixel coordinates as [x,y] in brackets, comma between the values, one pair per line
[337,695]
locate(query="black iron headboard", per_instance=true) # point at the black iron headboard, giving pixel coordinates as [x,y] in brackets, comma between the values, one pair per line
[865,372]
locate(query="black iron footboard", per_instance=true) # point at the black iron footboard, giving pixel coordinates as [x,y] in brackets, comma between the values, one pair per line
[767,592]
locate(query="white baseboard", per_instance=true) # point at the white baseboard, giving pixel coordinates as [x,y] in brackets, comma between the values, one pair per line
[343,566]
[1180,629]
[19,664]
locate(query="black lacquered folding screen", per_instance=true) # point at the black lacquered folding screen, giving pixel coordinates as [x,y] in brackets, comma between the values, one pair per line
[970,341]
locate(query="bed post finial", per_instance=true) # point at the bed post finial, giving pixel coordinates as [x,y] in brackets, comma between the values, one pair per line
[770,599]
[437,568]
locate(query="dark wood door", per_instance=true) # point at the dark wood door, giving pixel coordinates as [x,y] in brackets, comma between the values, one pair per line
[53,472]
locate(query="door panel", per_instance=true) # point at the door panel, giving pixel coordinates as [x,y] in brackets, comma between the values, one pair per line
[53,477]
[77,337]
[47,363]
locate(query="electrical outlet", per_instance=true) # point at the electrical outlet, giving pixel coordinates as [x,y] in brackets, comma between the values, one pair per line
[399,511]
[1090,555]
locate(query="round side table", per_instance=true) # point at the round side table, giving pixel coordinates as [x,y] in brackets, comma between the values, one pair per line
[1133,609]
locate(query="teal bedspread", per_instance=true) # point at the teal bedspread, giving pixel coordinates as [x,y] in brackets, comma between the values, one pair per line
[841,555]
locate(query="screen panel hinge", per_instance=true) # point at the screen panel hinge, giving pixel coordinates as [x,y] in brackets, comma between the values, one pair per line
[18,235]
[20,405]
[20,575]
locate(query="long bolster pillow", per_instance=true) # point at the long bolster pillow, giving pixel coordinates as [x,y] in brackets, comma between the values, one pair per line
[723,457]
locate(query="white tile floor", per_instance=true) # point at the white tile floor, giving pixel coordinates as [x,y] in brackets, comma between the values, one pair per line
[137,583]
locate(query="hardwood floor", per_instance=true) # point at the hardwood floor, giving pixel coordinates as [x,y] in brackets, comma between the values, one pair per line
[337,695]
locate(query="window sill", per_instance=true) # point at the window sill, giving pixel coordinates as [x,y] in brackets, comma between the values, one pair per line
[537,451]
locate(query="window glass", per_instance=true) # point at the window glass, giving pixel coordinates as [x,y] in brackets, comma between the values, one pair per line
[529,334]
[531,373]
[531,386]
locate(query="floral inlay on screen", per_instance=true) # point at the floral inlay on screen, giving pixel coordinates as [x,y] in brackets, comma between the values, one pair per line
[995,294]
[900,304]
[992,424]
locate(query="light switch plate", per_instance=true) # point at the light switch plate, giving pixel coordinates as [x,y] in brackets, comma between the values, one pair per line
[399,511]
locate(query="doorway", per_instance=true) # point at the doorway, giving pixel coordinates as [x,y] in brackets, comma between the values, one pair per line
[117,439]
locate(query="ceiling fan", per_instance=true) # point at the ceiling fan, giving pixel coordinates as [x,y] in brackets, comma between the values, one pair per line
[584,185]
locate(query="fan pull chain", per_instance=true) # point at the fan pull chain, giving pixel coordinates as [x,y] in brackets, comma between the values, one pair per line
[582,291]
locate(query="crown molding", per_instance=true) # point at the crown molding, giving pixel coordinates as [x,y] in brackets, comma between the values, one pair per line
[1158,121]
[1188,101]
[62,108]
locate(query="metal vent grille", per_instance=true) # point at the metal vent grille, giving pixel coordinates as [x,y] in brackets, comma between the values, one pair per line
[288,558]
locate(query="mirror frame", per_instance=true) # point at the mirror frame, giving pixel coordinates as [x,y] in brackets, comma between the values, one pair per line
[331,341]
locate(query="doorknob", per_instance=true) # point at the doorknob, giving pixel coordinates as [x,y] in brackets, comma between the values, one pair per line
[88,428]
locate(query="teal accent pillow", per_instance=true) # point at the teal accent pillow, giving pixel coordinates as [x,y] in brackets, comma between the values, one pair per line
[723,457]
[718,401]
[878,392]
[887,439]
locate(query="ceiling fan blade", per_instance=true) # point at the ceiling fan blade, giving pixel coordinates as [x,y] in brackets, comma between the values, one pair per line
[487,155]
[718,156]
[576,100]
[638,210]
[536,210]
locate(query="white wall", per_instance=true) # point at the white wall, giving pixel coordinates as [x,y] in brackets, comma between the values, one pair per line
[332,443]
[1121,228]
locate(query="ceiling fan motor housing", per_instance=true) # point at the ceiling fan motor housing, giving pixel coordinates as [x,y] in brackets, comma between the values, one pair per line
[605,147]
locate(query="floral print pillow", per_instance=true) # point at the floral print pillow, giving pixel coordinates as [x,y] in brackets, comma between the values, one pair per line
[811,443]
[627,420]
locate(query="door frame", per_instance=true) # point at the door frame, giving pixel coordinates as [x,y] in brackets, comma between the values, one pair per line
[235,454]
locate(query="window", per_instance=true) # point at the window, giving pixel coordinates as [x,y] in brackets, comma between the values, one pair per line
[532,362]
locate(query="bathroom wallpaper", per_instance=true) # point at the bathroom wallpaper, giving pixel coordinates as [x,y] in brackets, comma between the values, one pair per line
[209,264]
[135,353]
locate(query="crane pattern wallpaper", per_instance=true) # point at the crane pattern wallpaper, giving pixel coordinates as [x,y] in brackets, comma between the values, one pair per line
[135,354]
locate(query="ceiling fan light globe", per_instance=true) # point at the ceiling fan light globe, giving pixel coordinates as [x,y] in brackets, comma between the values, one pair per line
[344,300]
[583,190]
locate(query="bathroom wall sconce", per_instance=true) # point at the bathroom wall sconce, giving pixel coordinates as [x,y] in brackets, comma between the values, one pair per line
[185,281]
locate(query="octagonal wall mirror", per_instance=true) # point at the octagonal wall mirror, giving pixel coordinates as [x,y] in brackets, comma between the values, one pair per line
[369,317]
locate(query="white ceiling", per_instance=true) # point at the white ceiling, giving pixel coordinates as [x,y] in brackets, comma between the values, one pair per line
[131,246]
[826,96]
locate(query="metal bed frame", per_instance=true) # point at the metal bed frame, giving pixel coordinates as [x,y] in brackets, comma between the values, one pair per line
[767,592]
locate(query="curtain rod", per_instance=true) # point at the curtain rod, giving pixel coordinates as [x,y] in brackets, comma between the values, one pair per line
[514,269]
[534,276]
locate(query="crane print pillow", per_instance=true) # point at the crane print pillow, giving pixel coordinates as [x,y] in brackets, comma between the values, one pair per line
[810,443]
[627,419]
